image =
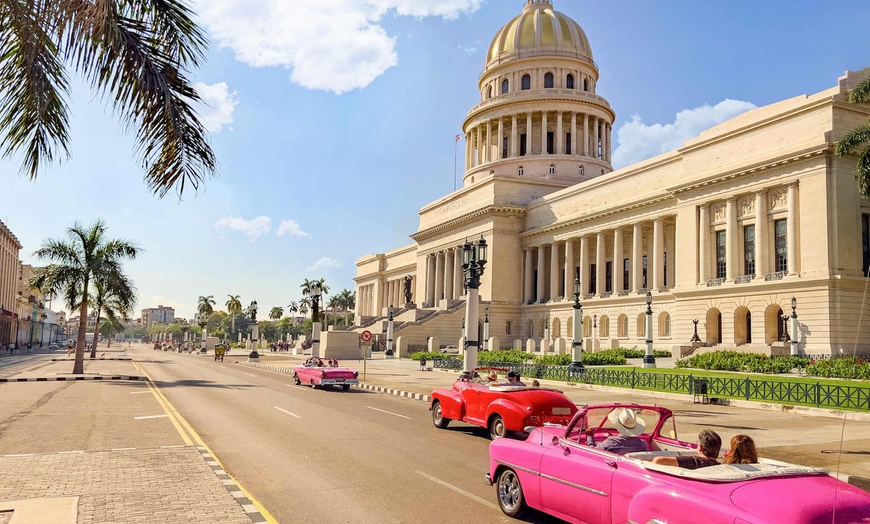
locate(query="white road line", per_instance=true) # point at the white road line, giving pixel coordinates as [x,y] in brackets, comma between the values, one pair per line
[150,416]
[255,376]
[70,452]
[285,411]
[460,491]
[139,392]
[389,412]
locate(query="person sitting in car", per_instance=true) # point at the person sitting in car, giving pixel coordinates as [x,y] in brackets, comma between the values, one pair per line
[629,426]
[514,379]
[709,444]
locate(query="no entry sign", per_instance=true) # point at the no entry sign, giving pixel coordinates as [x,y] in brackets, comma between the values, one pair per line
[366,336]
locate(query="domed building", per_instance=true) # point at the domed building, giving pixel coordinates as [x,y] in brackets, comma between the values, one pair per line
[725,230]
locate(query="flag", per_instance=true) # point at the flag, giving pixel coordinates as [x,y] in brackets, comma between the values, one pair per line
[458,138]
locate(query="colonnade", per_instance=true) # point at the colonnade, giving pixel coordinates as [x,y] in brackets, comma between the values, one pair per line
[550,269]
[485,142]
[444,276]
[373,298]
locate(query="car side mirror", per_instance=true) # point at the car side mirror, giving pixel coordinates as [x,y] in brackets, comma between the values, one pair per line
[555,440]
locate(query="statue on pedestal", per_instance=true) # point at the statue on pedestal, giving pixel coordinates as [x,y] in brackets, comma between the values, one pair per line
[408,280]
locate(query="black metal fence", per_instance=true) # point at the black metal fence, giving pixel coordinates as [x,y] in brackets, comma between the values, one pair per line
[785,392]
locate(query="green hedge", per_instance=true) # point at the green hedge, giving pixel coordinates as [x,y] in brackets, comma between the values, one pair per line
[839,368]
[743,362]
[430,355]
[553,360]
[610,357]
[640,353]
[512,356]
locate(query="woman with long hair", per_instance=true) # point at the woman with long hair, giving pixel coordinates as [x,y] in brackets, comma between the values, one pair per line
[742,451]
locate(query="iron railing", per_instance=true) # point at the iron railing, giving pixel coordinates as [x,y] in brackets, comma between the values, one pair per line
[785,392]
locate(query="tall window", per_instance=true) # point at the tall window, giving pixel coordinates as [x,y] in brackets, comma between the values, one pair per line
[523,144]
[608,277]
[507,327]
[552,169]
[665,259]
[489,92]
[865,242]
[625,266]
[585,85]
[550,140]
[593,276]
[567,143]
[749,250]
[644,273]
[721,258]
[505,87]
[526,83]
[548,81]
[582,170]
[569,82]
[504,147]
[521,171]
[780,228]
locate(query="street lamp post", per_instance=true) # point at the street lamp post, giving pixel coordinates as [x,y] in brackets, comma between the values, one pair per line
[473,263]
[594,333]
[784,337]
[545,344]
[577,342]
[649,360]
[389,352]
[254,355]
[316,292]
[795,344]
[486,329]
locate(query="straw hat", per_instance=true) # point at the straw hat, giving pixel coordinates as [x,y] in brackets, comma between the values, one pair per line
[627,422]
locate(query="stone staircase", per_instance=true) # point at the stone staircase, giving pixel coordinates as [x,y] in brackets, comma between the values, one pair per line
[416,325]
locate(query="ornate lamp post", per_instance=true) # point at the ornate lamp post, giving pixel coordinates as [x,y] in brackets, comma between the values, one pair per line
[202,323]
[795,340]
[463,328]
[577,343]
[254,355]
[546,333]
[594,333]
[473,263]
[649,360]
[784,337]
[389,352]
[695,338]
[316,293]
[486,329]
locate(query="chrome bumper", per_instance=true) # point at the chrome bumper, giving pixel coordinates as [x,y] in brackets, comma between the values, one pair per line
[488,480]
[336,382]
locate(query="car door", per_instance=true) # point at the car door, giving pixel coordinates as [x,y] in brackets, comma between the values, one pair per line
[471,394]
[576,481]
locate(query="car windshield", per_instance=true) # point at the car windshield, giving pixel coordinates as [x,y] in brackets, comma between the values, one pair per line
[596,419]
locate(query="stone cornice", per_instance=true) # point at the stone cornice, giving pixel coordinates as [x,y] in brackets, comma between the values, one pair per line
[493,210]
[483,109]
[595,216]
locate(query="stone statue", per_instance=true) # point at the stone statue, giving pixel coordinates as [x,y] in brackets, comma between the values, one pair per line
[252,311]
[408,280]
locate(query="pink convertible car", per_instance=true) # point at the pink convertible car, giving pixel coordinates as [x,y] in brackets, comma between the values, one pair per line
[324,372]
[555,471]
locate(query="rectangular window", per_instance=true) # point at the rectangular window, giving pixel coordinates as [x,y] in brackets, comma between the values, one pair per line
[780,228]
[721,258]
[665,254]
[608,277]
[625,273]
[749,251]
[568,144]
[550,139]
[644,273]
[593,277]
[534,286]
[507,327]
[865,241]
[504,147]
[523,144]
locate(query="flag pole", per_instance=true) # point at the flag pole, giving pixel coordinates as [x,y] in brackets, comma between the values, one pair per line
[455,146]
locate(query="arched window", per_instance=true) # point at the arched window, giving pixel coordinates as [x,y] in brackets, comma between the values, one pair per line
[570,327]
[585,84]
[641,326]
[664,325]
[587,327]
[557,328]
[569,82]
[622,329]
[531,329]
[526,83]
[505,87]
[552,169]
[604,325]
[521,171]
[582,170]
[548,81]
[489,92]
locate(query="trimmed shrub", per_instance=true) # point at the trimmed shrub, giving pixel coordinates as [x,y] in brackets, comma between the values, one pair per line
[743,362]
[553,360]
[430,355]
[610,357]
[846,367]
[512,356]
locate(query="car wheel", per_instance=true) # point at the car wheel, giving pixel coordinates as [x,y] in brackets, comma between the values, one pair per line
[510,494]
[438,416]
[296,379]
[345,387]
[312,384]
[497,428]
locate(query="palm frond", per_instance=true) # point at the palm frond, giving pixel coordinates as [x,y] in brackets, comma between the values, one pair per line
[861,92]
[862,173]
[853,139]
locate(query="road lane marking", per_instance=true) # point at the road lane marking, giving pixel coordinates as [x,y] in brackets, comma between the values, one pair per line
[389,412]
[460,491]
[285,411]
[150,416]
[139,392]
[255,376]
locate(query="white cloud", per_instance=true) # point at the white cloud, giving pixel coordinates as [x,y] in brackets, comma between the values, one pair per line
[470,50]
[638,141]
[324,263]
[331,45]
[218,105]
[290,227]
[252,228]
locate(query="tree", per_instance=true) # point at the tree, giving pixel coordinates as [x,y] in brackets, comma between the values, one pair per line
[133,54]
[114,295]
[234,308]
[85,257]
[857,139]
[276,313]
[347,299]
[307,292]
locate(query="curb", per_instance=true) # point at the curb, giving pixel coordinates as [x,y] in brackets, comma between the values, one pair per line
[232,487]
[62,379]
[396,392]
[71,359]
[288,371]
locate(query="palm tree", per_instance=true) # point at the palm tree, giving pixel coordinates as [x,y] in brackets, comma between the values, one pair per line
[234,307]
[115,293]
[276,313]
[333,304]
[348,301]
[859,138]
[307,290]
[85,257]
[204,308]
[304,305]
[134,54]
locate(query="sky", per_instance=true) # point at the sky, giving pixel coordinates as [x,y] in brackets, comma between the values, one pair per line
[333,122]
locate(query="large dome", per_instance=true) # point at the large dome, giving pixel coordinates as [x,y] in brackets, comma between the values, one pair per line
[539,31]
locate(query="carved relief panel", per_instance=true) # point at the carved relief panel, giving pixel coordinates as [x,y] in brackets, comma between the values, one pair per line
[778,198]
[717,212]
[746,207]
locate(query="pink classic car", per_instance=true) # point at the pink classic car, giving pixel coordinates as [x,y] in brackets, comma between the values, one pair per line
[500,407]
[324,372]
[555,471]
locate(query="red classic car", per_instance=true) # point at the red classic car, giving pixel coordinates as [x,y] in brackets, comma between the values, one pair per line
[499,406]
[324,372]
[557,471]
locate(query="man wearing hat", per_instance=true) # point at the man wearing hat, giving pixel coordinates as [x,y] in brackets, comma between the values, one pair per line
[629,426]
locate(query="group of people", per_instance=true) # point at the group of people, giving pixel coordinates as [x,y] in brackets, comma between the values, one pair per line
[630,427]
[279,346]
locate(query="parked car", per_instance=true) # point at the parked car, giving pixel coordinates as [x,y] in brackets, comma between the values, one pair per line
[555,471]
[499,407]
[324,372]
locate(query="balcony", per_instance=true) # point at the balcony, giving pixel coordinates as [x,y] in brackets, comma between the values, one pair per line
[715,282]
[743,279]
[779,275]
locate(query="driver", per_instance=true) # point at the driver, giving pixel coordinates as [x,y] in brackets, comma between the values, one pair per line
[629,426]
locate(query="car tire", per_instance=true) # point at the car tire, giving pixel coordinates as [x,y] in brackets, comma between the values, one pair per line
[438,416]
[497,428]
[509,493]
[296,379]
[313,385]
[345,387]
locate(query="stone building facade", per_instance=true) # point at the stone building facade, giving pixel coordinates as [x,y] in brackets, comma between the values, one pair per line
[10,268]
[725,230]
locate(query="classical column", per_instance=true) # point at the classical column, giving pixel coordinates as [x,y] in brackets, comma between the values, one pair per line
[658,265]
[487,143]
[604,140]
[791,226]
[637,259]
[528,274]
[617,261]
[584,265]
[541,270]
[480,149]
[601,289]
[586,135]
[703,244]
[730,244]
[498,145]
[560,137]
[439,277]
[596,136]
[544,133]
[430,280]
[515,137]
[467,151]
[458,277]
[568,288]
[449,275]
[554,271]
[528,133]
[760,234]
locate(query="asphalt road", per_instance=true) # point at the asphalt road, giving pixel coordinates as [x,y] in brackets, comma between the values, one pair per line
[323,455]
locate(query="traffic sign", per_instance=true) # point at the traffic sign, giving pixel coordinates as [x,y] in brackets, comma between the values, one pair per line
[366,336]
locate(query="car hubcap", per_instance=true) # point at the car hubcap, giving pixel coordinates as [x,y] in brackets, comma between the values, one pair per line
[498,428]
[509,491]
[436,413]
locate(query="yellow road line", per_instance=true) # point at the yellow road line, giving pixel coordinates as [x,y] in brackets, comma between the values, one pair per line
[180,422]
